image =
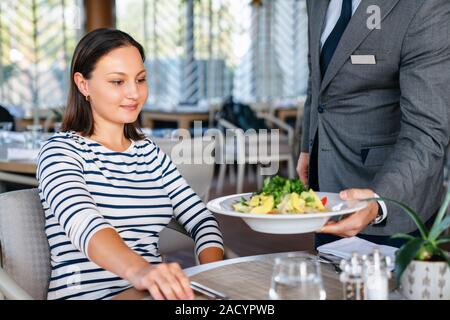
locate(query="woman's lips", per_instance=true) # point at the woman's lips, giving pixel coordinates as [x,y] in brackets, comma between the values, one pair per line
[130,107]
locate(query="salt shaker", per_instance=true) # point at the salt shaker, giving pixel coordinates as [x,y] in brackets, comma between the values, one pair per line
[352,278]
[376,276]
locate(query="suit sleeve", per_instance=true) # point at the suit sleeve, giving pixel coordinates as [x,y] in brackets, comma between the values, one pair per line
[425,104]
[307,108]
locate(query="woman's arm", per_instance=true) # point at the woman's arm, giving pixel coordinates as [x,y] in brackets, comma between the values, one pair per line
[210,254]
[191,213]
[164,281]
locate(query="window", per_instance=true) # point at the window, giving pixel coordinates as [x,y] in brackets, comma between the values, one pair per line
[37,39]
[206,49]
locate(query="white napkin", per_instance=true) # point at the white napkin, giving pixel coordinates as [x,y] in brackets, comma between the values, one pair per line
[344,248]
[22,154]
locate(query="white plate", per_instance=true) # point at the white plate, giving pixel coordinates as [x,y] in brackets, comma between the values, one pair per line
[286,223]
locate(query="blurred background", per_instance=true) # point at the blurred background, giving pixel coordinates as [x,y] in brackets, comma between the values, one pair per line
[199,54]
[198,51]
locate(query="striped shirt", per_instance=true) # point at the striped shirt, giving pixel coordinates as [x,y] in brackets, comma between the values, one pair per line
[85,187]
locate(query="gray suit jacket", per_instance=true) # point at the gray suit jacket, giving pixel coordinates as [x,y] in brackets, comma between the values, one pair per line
[383,126]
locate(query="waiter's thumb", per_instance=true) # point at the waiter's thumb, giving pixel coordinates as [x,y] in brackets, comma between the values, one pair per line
[356,194]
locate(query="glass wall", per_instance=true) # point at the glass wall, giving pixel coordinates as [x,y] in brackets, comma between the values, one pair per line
[197,50]
[37,39]
[209,49]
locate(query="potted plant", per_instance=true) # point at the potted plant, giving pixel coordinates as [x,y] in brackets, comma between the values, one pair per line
[422,267]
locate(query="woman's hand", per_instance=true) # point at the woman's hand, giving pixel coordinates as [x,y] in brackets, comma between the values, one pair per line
[163,281]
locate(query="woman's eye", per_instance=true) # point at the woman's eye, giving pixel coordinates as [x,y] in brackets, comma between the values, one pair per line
[142,80]
[117,82]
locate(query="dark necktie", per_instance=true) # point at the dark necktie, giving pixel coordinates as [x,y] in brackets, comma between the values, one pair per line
[333,39]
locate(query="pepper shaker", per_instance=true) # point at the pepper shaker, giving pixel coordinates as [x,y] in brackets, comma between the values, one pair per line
[352,278]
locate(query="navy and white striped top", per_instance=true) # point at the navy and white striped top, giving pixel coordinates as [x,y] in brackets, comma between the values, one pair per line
[85,187]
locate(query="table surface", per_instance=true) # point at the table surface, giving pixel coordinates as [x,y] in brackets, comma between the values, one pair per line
[16,166]
[249,278]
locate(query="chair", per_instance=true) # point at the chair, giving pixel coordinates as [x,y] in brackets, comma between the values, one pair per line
[5,116]
[25,255]
[231,151]
[199,173]
[196,172]
[214,107]
[16,178]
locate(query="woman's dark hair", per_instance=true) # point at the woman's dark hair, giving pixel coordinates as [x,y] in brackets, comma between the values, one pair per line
[93,46]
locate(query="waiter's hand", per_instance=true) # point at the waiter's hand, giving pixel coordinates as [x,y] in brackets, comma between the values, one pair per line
[352,224]
[303,167]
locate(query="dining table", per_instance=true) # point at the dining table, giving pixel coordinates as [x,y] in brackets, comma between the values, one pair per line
[249,278]
[17,162]
[18,166]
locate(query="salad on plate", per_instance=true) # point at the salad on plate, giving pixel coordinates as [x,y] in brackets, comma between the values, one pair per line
[282,196]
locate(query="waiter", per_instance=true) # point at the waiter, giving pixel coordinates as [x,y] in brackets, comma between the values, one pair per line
[376,120]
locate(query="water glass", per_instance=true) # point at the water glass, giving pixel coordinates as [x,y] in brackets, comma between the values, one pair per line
[167,133]
[57,126]
[33,136]
[5,128]
[297,277]
[148,132]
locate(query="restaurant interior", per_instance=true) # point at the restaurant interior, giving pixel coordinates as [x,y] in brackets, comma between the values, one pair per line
[203,57]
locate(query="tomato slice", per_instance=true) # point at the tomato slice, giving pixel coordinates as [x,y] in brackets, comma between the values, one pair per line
[324,200]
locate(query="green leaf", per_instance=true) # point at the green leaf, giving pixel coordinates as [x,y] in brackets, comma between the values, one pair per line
[406,254]
[414,216]
[441,214]
[427,252]
[442,240]
[403,236]
[310,199]
[444,255]
[437,230]
[278,187]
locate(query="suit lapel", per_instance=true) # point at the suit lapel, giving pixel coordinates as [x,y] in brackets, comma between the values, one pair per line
[355,33]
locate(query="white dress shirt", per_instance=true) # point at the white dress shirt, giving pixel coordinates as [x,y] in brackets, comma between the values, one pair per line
[332,17]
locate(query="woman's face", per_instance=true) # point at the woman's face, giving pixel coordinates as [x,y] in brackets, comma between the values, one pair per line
[118,88]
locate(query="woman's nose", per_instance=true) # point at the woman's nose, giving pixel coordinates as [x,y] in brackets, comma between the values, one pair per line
[132,91]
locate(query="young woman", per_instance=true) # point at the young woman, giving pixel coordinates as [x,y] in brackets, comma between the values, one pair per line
[107,191]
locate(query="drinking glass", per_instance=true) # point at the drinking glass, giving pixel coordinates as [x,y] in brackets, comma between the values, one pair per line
[147,131]
[57,126]
[33,136]
[5,128]
[297,277]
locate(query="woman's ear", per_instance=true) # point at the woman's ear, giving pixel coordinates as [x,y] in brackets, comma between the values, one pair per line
[81,83]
